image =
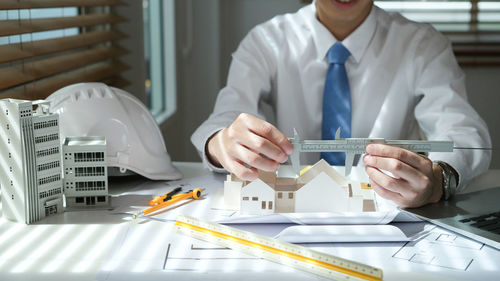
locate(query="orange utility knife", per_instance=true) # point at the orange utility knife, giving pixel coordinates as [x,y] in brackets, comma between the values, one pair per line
[195,194]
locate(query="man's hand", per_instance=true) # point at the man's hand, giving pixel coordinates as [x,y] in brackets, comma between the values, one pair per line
[416,180]
[252,141]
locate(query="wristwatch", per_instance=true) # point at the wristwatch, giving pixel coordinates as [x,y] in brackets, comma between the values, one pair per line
[449,180]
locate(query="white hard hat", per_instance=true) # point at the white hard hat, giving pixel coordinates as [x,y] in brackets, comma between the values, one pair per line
[134,140]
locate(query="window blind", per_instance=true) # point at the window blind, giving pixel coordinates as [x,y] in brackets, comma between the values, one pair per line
[473,26]
[48,44]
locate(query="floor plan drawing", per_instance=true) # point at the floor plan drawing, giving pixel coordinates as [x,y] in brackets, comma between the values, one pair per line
[438,248]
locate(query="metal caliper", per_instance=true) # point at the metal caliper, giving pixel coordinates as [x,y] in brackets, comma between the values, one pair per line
[354,146]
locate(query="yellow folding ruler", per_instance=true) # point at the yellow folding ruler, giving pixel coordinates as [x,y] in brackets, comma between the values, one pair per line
[277,251]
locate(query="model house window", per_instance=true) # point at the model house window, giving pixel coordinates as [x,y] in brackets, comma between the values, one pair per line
[255,198]
[280,195]
[89,157]
[263,205]
[245,198]
[49,193]
[75,38]
[472,26]
[90,186]
[290,195]
[47,166]
[47,152]
[46,138]
[49,179]
[89,171]
[159,55]
[270,205]
[45,124]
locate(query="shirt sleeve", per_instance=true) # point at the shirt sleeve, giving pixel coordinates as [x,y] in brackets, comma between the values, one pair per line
[249,81]
[443,111]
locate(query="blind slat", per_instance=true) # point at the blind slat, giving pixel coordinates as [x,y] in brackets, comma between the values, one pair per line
[33,69]
[42,89]
[13,27]
[116,81]
[477,50]
[16,75]
[472,33]
[13,52]
[473,26]
[460,23]
[476,61]
[29,4]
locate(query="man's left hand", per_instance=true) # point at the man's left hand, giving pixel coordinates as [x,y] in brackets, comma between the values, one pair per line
[415,179]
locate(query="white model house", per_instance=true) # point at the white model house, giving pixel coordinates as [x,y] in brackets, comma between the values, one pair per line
[319,189]
[232,192]
[30,161]
[258,199]
[85,172]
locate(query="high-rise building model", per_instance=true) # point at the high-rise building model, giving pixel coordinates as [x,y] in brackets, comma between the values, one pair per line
[85,172]
[30,161]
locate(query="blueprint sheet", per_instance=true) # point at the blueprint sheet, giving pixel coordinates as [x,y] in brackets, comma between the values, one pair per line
[152,249]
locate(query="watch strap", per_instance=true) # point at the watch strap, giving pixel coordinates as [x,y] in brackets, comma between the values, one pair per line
[449,183]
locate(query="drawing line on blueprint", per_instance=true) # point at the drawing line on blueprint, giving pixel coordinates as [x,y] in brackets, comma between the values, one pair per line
[433,248]
[438,240]
[195,248]
[166,257]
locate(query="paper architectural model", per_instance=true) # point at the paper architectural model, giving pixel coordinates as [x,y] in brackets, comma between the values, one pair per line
[319,189]
[85,172]
[30,161]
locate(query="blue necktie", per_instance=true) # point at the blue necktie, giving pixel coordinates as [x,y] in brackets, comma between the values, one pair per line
[336,102]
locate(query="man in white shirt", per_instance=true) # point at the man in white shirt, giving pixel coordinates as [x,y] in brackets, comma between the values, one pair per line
[403,78]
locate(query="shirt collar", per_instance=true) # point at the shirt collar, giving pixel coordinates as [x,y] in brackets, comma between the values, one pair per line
[357,42]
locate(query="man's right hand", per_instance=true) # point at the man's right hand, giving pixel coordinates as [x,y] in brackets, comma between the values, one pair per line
[252,141]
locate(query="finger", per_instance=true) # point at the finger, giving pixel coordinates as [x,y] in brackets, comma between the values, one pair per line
[242,172]
[261,145]
[395,185]
[411,158]
[269,132]
[256,160]
[398,168]
[385,193]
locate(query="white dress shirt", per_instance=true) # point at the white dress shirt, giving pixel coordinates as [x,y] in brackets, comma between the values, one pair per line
[403,76]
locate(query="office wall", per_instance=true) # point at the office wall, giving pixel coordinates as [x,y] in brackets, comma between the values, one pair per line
[198,73]
[218,27]
[483,89]
[132,10]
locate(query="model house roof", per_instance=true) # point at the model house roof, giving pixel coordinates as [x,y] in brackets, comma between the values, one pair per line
[294,184]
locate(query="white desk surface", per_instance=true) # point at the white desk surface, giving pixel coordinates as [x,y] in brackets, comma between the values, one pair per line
[86,246]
